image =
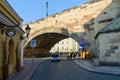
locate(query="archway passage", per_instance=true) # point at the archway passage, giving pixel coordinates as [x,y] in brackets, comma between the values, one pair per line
[44,43]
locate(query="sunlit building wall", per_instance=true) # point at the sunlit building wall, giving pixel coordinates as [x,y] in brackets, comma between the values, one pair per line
[10,40]
[66,45]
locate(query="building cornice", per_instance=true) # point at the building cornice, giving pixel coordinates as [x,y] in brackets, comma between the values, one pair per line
[113,26]
[5,20]
[7,10]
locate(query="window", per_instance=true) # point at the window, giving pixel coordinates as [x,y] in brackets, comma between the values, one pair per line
[67,42]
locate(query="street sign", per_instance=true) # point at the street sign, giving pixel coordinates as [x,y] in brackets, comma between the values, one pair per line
[33,43]
[82,40]
[82,45]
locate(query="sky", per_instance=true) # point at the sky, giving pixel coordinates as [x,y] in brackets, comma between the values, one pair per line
[31,10]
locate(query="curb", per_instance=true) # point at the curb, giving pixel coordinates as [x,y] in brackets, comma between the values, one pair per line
[93,69]
[33,70]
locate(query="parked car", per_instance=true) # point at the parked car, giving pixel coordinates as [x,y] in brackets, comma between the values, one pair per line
[55,57]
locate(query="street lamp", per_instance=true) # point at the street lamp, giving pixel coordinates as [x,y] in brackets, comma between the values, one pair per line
[27,30]
[23,37]
[46,9]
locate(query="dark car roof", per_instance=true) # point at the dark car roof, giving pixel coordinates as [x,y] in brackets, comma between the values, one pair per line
[54,55]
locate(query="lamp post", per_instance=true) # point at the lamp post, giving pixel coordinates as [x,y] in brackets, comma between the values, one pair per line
[46,9]
[27,30]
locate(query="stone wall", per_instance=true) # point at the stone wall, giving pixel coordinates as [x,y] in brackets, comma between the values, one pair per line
[97,23]
[108,43]
[109,48]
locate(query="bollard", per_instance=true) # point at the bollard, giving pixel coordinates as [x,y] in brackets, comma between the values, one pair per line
[96,62]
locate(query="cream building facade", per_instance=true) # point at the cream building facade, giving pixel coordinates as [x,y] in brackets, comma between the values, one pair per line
[65,45]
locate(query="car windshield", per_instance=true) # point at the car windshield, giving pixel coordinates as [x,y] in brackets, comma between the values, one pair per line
[55,55]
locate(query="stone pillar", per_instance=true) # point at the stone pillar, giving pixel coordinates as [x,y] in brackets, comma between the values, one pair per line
[22,53]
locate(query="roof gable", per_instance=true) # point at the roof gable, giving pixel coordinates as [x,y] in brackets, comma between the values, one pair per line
[113,26]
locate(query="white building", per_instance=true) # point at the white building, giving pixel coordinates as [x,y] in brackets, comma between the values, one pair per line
[66,45]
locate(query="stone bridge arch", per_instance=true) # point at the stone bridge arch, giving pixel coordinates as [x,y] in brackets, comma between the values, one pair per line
[47,25]
[86,20]
[40,32]
[76,22]
[45,42]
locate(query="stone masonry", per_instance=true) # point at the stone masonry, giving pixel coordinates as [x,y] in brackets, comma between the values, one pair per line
[84,20]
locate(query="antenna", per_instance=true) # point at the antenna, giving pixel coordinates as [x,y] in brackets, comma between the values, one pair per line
[46,9]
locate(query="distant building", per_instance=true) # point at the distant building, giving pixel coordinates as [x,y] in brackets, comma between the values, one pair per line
[66,45]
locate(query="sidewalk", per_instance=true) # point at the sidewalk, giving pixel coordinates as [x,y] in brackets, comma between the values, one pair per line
[28,70]
[88,65]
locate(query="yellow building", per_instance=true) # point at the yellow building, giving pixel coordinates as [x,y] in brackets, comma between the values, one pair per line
[10,32]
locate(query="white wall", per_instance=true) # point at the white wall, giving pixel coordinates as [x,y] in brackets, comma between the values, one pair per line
[66,45]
